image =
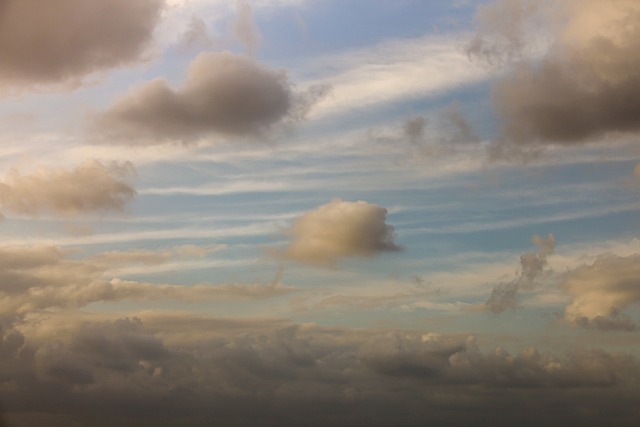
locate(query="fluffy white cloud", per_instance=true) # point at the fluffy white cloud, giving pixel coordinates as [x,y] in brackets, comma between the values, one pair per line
[91,187]
[340,229]
[601,291]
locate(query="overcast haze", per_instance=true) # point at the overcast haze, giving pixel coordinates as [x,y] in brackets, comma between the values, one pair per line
[305,212]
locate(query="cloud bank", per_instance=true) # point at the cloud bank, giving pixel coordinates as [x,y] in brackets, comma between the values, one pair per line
[340,229]
[91,187]
[143,370]
[60,42]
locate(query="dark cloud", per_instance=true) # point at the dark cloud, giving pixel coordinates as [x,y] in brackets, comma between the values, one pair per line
[60,42]
[340,229]
[143,370]
[586,85]
[504,295]
[224,94]
[93,186]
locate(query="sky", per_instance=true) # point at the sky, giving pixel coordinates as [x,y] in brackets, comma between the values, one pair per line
[319,212]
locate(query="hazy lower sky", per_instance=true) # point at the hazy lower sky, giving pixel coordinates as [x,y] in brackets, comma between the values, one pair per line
[319,213]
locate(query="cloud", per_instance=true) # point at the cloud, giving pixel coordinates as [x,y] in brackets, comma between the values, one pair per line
[188,369]
[196,35]
[38,278]
[601,291]
[224,94]
[446,134]
[245,28]
[503,30]
[504,295]
[585,86]
[340,229]
[91,187]
[63,41]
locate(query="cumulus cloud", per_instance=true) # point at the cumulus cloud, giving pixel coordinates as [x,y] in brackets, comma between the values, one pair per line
[601,291]
[504,295]
[224,94]
[586,85]
[61,42]
[340,229]
[93,186]
[293,374]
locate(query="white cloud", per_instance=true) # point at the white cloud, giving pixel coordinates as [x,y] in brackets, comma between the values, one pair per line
[340,229]
[389,72]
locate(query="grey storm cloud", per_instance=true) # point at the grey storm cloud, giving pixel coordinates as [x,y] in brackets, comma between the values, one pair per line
[60,42]
[601,291]
[145,370]
[92,186]
[504,295]
[586,85]
[340,229]
[224,94]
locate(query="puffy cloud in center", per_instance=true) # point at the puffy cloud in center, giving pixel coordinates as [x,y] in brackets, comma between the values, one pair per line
[340,229]
[224,94]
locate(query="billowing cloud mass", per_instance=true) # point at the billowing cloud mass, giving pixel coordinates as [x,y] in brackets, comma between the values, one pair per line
[62,41]
[586,85]
[91,187]
[601,291]
[177,369]
[340,229]
[224,93]
[504,296]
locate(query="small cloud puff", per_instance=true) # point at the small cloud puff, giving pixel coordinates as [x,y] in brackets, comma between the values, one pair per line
[340,229]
